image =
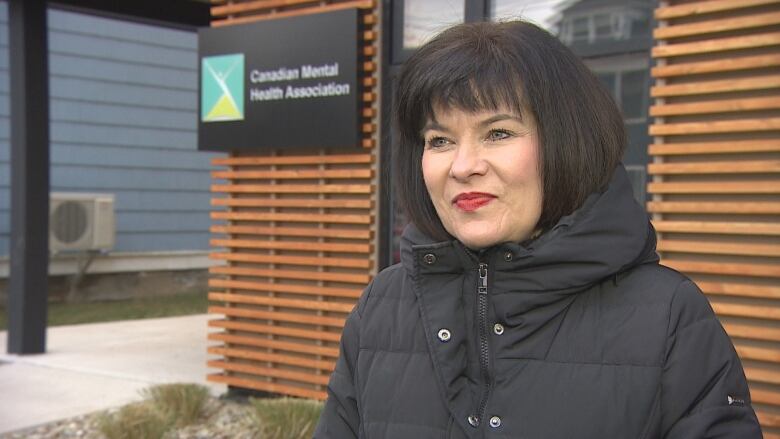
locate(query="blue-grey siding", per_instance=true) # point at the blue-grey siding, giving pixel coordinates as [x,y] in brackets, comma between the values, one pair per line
[123,121]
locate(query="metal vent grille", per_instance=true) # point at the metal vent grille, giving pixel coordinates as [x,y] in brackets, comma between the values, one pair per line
[69,222]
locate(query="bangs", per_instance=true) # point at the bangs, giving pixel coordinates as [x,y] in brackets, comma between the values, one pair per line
[484,91]
[471,78]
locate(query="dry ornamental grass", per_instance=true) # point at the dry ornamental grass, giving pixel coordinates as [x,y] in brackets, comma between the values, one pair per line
[286,418]
[187,411]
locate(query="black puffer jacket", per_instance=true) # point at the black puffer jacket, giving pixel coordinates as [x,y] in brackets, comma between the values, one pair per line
[578,334]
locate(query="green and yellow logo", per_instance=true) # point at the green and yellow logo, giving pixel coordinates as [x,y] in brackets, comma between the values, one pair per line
[222,88]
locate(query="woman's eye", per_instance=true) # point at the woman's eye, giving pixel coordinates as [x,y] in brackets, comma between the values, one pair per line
[496,135]
[436,142]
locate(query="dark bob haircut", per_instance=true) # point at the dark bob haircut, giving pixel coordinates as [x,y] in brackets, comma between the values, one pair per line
[520,67]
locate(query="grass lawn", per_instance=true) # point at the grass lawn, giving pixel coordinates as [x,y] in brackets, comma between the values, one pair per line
[145,308]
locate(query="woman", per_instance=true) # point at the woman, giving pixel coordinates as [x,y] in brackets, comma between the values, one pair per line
[529,302]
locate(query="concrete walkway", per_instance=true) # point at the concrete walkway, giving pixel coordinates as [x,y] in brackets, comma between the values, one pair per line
[97,366]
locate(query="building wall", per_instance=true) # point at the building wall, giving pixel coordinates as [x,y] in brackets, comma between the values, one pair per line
[716,172]
[123,121]
[300,242]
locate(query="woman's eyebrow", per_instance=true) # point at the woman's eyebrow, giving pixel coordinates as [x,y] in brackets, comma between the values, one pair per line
[432,125]
[499,118]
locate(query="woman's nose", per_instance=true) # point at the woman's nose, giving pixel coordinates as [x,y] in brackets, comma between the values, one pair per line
[467,162]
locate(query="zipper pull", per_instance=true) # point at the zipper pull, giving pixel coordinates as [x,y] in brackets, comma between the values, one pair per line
[482,285]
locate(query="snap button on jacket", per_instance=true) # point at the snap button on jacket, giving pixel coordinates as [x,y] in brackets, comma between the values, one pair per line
[596,340]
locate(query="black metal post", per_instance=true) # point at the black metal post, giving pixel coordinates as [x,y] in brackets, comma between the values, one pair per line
[476,10]
[386,189]
[29,247]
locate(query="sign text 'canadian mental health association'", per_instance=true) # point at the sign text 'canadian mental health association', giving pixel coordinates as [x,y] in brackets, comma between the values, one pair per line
[288,90]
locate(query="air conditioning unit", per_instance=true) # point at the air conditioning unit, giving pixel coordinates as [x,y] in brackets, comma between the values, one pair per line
[80,221]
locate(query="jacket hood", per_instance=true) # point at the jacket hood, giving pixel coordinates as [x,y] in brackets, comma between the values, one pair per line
[609,234]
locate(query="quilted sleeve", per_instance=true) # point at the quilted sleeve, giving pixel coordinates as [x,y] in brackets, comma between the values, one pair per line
[704,392]
[340,418]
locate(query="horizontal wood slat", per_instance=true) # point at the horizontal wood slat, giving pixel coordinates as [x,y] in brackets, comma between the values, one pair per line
[311,290]
[763,396]
[753,187]
[717,25]
[289,245]
[727,228]
[258,341]
[757,354]
[767,419]
[743,208]
[269,6]
[292,360]
[294,217]
[361,279]
[293,160]
[762,375]
[266,386]
[731,147]
[317,9]
[294,188]
[261,328]
[718,248]
[724,268]
[763,82]
[301,174]
[740,290]
[750,311]
[716,127]
[256,5]
[314,232]
[717,45]
[278,316]
[302,377]
[730,167]
[707,7]
[751,332]
[293,260]
[721,65]
[333,203]
[718,106]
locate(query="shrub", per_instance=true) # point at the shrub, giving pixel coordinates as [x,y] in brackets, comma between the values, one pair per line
[286,418]
[181,404]
[133,421]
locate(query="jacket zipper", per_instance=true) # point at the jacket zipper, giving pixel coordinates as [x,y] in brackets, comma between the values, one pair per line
[484,353]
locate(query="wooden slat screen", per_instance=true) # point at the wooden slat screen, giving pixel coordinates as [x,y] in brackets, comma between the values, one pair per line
[716,171]
[296,232]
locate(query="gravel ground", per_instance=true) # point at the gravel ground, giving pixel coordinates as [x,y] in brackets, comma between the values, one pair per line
[225,420]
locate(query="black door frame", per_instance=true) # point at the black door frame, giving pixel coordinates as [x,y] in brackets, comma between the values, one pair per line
[393,56]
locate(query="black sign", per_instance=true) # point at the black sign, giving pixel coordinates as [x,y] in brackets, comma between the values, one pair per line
[283,83]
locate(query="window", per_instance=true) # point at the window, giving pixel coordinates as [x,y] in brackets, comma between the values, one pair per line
[425,18]
[603,26]
[632,94]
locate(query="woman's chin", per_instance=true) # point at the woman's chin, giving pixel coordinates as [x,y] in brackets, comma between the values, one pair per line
[478,239]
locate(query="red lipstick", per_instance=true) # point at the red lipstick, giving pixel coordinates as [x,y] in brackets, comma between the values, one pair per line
[471,201]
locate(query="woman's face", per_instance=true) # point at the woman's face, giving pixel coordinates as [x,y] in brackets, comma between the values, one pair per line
[482,173]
